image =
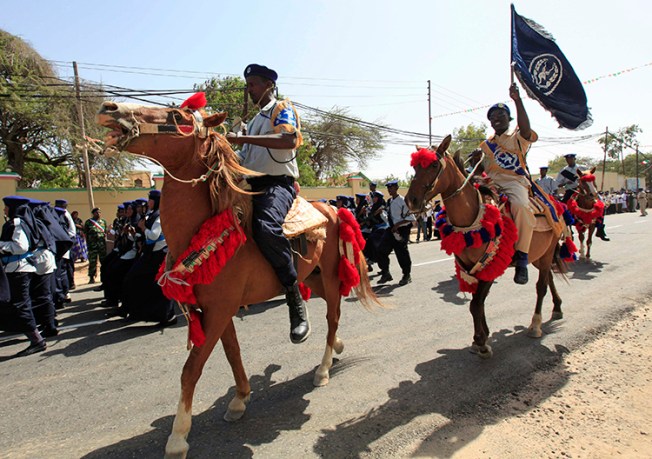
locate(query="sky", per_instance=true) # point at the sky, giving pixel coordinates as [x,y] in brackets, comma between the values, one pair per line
[372,57]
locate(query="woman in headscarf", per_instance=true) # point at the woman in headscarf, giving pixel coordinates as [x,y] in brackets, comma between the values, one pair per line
[79,250]
[143,298]
[17,242]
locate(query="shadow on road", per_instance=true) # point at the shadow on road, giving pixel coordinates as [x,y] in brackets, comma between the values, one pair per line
[586,270]
[465,392]
[449,291]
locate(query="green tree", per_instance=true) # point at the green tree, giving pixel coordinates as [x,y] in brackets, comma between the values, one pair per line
[227,95]
[559,162]
[620,141]
[39,134]
[468,138]
[338,139]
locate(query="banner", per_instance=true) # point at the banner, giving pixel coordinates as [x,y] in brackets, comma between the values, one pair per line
[547,75]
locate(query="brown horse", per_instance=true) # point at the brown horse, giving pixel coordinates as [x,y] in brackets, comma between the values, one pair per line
[201,180]
[586,208]
[462,201]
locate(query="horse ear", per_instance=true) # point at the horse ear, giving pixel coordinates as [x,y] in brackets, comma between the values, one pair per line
[215,120]
[443,146]
[593,170]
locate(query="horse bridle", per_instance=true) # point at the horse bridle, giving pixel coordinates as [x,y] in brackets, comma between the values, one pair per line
[430,187]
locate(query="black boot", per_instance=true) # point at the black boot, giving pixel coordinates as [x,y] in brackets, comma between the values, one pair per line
[520,263]
[601,234]
[299,324]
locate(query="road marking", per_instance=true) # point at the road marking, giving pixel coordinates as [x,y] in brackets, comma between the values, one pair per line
[642,221]
[612,227]
[431,262]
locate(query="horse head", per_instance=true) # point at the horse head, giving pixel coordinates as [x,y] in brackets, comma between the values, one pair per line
[587,193]
[427,181]
[181,140]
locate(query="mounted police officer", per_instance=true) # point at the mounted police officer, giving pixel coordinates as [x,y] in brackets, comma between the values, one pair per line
[570,180]
[504,163]
[547,184]
[268,147]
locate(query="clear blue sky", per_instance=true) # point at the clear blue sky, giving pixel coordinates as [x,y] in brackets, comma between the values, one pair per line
[373,57]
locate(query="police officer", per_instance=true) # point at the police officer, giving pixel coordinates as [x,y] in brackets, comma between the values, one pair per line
[396,236]
[547,184]
[17,242]
[570,180]
[95,229]
[269,147]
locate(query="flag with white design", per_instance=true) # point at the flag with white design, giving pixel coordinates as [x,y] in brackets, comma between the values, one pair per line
[547,75]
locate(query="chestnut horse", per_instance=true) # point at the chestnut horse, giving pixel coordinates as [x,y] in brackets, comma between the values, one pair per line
[202,173]
[446,176]
[586,208]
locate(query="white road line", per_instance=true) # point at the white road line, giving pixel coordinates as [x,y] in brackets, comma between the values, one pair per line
[612,227]
[642,221]
[431,262]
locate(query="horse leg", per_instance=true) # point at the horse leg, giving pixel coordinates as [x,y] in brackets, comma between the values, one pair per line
[534,330]
[481,330]
[589,241]
[177,446]
[238,404]
[328,289]
[580,235]
[556,299]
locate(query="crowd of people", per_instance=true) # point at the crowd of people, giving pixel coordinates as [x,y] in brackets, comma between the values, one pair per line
[40,244]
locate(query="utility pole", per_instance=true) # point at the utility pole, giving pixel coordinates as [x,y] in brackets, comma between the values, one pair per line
[429,117]
[637,167]
[87,169]
[604,160]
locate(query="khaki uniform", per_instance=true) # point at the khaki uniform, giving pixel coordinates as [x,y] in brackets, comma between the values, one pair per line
[504,163]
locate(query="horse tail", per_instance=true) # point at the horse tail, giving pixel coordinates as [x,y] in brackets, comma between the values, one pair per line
[352,270]
[560,263]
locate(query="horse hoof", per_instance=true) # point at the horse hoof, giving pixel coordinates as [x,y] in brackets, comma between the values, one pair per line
[236,409]
[338,346]
[321,379]
[557,315]
[176,448]
[484,352]
[534,332]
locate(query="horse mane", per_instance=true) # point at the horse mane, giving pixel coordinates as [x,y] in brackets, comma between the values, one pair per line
[459,162]
[224,177]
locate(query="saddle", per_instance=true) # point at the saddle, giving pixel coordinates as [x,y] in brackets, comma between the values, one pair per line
[303,218]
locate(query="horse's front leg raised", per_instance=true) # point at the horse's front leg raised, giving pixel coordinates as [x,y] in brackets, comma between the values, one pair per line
[177,446]
[481,330]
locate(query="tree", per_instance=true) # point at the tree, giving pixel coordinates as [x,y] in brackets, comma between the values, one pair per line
[338,139]
[468,138]
[559,162]
[227,95]
[39,134]
[622,139]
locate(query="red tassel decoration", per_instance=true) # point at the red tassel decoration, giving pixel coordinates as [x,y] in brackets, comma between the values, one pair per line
[305,291]
[423,157]
[195,330]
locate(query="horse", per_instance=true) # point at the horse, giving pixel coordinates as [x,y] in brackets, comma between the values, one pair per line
[586,208]
[444,174]
[202,178]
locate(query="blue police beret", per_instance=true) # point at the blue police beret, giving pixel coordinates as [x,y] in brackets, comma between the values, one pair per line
[392,183]
[261,71]
[332,202]
[15,201]
[127,204]
[60,202]
[373,184]
[498,106]
[121,206]
[141,201]
[570,155]
[155,194]
[60,210]
[543,167]
[361,195]
[341,197]
[377,194]
[37,202]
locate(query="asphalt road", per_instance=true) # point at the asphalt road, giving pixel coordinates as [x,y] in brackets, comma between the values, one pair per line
[109,389]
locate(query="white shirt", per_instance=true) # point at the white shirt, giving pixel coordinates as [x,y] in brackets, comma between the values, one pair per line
[547,184]
[18,245]
[270,161]
[399,211]
[154,233]
[72,231]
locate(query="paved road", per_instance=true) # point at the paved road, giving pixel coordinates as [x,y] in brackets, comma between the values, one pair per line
[106,389]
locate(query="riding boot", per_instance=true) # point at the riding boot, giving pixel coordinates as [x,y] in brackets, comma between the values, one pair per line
[520,266]
[299,323]
[601,234]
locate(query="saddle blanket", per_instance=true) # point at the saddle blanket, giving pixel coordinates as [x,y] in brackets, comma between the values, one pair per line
[302,218]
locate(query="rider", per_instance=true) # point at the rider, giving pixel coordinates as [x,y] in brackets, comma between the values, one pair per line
[504,163]
[570,180]
[268,147]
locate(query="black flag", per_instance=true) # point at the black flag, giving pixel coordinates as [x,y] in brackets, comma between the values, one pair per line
[547,75]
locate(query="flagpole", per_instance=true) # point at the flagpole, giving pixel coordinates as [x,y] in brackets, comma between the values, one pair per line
[511,46]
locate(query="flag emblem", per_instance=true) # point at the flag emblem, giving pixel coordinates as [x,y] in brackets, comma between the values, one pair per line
[547,71]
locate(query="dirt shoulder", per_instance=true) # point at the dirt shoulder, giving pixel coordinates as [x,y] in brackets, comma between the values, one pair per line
[604,409]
